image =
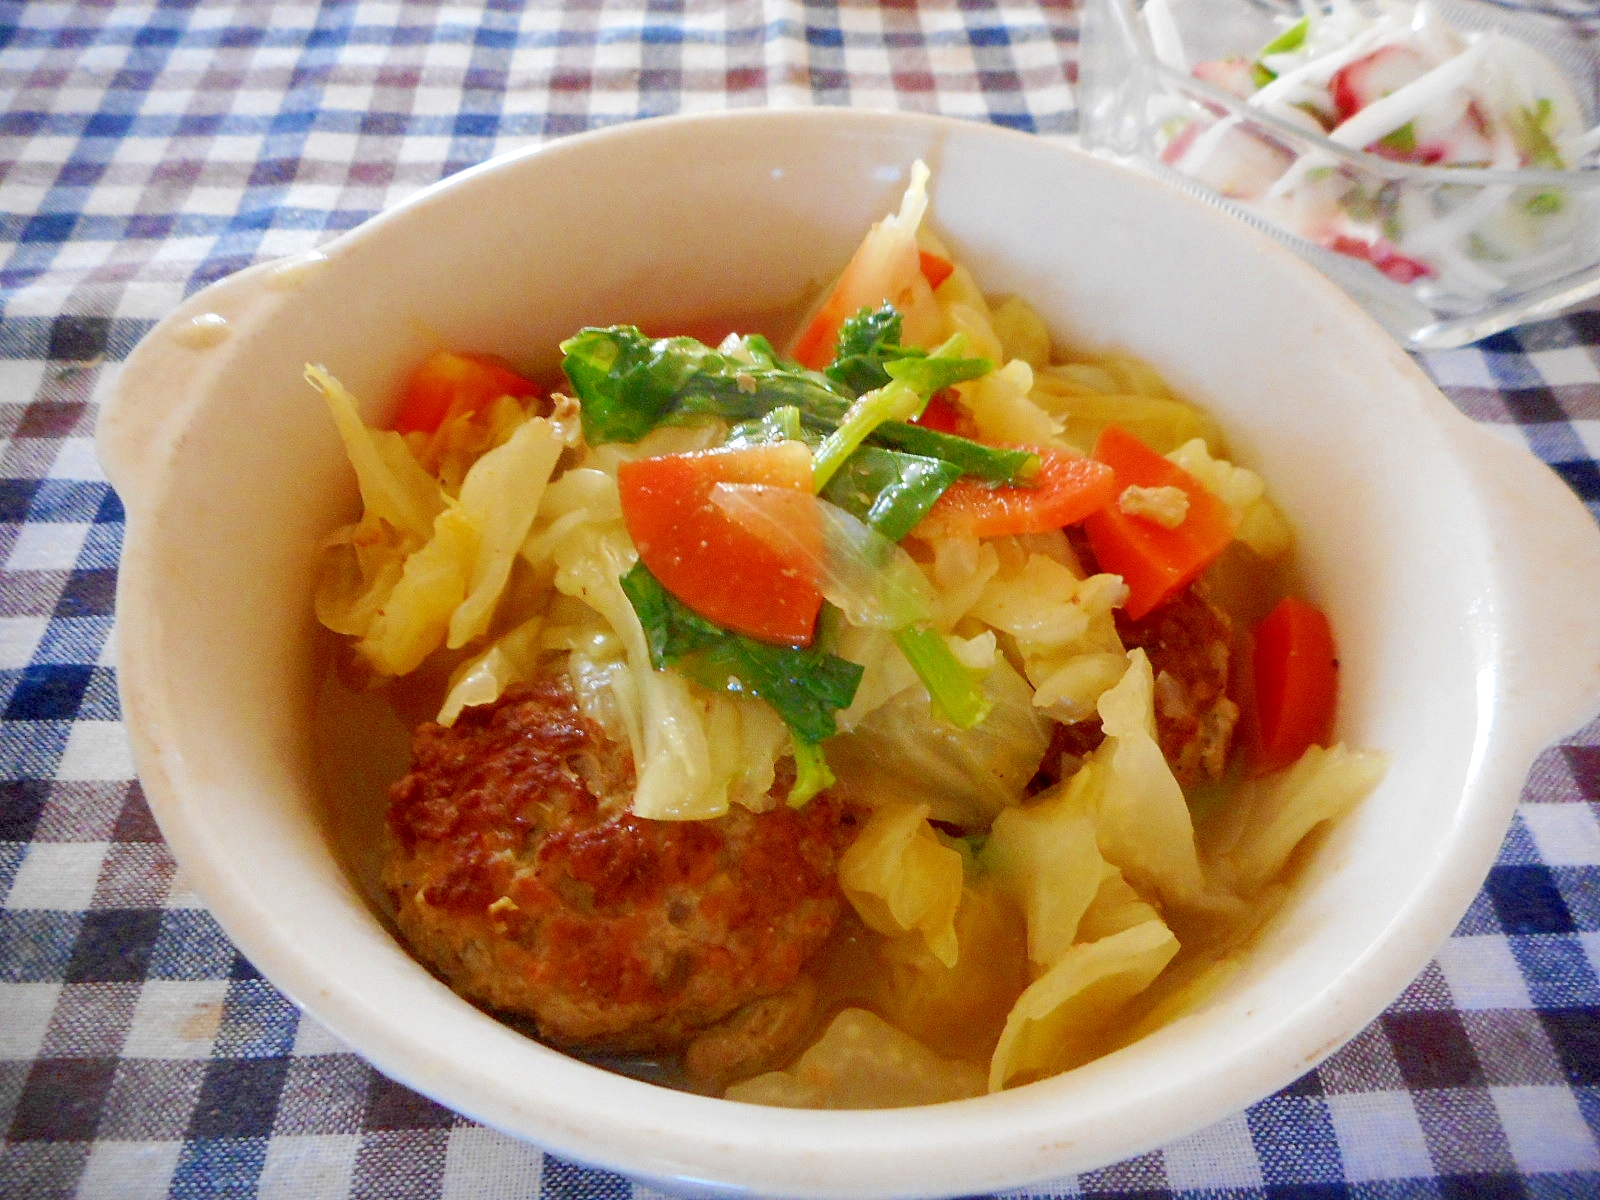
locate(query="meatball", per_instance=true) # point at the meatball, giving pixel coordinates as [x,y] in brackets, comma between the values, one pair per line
[1188,641]
[519,875]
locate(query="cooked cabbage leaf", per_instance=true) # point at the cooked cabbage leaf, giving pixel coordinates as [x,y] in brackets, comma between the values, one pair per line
[1115,907]
[694,750]
[1057,1024]
[1252,838]
[501,494]
[900,878]
[482,679]
[1002,407]
[1045,856]
[902,751]
[415,617]
[862,1061]
[957,1011]
[1256,520]
[1142,820]
[393,485]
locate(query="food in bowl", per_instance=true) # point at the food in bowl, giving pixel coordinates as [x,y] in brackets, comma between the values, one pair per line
[856,726]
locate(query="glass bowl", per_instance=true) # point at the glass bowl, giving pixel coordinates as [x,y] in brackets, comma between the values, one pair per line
[1441,255]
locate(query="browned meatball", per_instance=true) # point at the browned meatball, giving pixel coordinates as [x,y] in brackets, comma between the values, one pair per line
[521,877]
[1188,641]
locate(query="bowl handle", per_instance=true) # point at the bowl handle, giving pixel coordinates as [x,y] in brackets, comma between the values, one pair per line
[169,367]
[1546,566]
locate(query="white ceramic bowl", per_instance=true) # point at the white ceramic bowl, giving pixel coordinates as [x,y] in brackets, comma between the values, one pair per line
[1458,572]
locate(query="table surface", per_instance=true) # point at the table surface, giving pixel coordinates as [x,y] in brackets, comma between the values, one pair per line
[147,149]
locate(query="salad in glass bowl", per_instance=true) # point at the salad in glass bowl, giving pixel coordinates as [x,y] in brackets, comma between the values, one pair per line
[1441,159]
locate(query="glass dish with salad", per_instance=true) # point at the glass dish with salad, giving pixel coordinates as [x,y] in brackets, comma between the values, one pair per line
[911,713]
[1440,159]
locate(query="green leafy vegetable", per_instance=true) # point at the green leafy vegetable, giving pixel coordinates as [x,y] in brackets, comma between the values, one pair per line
[936,372]
[989,463]
[911,382]
[957,693]
[783,423]
[806,687]
[1291,38]
[870,355]
[1530,131]
[895,401]
[889,489]
[629,383]
[866,342]
[812,774]
[1402,140]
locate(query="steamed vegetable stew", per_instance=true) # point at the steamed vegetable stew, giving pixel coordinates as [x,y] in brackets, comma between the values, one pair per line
[915,711]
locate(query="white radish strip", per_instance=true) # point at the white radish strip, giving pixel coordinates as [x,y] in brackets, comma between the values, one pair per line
[1582,146]
[1318,71]
[1384,116]
[1435,38]
[1164,37]
[1464,276]
[1438,232]
[1455,270]
[1204,146]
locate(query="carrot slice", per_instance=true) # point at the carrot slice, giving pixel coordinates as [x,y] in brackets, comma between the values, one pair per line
[1154,561]
[1296,681]
[935,268]
[940,415]
[447,384]
[1067,489]
[710,562]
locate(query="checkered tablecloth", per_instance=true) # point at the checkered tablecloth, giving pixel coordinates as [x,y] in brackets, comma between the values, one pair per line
[148,148]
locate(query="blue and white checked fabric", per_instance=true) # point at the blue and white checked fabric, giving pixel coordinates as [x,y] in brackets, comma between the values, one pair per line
[148,148]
